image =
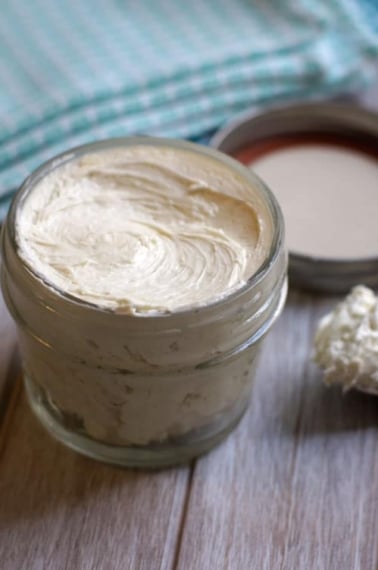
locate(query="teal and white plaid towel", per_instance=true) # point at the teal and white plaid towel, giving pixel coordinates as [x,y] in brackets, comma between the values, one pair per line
[72,71]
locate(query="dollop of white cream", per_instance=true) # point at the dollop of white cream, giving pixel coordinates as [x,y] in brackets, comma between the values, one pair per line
[346,342]
[144,229]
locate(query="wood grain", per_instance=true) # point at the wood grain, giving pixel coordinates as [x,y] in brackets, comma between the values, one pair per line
[62,511]
[296,486]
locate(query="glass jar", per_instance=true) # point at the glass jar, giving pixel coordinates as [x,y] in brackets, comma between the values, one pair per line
[146,390]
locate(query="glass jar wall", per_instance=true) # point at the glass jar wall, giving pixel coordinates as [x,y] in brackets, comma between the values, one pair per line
[146,390]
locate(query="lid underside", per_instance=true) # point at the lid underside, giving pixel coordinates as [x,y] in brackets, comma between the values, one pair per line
[343,121]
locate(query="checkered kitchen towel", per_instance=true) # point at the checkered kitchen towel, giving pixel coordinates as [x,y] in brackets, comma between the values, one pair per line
[72,71]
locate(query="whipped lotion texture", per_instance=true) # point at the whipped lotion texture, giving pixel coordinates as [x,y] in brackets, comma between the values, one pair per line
[144,229]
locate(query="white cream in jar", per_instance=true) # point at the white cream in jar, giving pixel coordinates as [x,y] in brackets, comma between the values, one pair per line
[143,278]
[144,229]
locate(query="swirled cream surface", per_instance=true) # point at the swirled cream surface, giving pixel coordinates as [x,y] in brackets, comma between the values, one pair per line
[144,229]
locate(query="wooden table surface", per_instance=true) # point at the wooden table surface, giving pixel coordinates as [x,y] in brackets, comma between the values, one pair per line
[294,487]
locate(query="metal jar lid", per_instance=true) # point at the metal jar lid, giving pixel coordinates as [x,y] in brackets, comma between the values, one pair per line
[334,119]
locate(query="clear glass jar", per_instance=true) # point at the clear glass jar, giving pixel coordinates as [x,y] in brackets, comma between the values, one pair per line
[144,391]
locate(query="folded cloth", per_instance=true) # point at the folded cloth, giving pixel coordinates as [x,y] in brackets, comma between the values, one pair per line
[75,71]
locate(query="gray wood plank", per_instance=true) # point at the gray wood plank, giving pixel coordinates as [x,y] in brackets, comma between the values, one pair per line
[62,511]
[295,487]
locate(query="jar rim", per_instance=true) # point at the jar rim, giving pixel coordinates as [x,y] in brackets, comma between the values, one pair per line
[67,156]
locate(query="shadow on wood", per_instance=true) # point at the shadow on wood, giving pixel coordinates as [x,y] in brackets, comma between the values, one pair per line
[39,476]
[329,410]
